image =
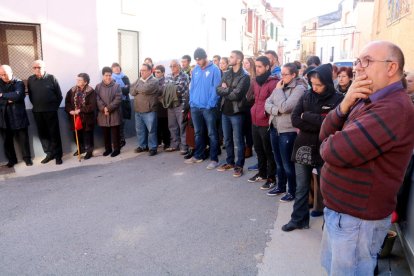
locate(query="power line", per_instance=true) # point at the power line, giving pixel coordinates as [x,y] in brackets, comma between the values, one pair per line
[330,35]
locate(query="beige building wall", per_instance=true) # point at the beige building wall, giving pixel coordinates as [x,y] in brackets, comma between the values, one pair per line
[396,27]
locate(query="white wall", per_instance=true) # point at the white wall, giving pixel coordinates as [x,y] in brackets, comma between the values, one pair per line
[328,37]
[67,33]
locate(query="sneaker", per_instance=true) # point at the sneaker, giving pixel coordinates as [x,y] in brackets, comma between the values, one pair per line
[139,149]
[287,198]
[238,171]
[170,149]
[193,160]
[276,191]
[256,178]
[270,183]
[225,167]
[255,167]
[152,152]
[212,165]
[315,213]
[290,226]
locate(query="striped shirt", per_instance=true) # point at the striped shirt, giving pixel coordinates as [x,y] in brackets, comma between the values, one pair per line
[366,154]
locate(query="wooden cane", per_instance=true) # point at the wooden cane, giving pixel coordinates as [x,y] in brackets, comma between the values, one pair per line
[76,135]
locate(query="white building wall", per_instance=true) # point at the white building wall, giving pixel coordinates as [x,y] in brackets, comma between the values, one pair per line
[328,36]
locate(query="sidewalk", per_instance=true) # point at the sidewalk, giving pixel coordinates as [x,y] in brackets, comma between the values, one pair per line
[292,253]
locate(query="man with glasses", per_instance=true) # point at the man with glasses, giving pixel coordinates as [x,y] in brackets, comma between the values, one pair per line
[175,113]
[367,144]
[146,91]
[45,95]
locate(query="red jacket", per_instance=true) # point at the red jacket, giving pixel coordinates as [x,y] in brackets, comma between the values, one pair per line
[261,93]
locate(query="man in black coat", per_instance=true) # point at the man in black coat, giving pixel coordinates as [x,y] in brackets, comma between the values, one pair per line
[13,116]
[45,95]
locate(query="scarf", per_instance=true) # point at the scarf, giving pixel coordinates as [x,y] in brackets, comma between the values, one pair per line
[118,79]
[79,98]
[262,78]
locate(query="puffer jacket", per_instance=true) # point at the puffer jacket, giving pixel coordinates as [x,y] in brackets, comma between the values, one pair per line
[261,93]
[12,104]
[237,86]
[308,115]
[281,104]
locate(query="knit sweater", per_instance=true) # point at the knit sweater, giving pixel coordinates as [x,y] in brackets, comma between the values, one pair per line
[366,154]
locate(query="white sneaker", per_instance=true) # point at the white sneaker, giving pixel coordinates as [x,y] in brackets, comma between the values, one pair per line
[212,165]
[193,160]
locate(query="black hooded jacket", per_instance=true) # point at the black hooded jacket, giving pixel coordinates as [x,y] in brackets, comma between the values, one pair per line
[309,114]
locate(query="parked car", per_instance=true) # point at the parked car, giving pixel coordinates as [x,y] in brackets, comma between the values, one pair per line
[344,62]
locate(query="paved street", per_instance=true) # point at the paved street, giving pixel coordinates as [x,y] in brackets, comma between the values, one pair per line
[138,216]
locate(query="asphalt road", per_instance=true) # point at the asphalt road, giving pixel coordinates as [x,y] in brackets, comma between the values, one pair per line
[140,216]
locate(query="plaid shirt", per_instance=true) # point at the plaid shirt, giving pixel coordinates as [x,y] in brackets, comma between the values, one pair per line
[182,82]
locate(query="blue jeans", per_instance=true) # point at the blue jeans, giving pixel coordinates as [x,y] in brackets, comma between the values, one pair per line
[350,245]
[146,128]
[282,146]
[233,134]
[209,117]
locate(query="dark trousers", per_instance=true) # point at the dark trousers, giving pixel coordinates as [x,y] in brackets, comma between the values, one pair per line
[163,132]
[49,133]
[111,136]
[247,128]
[300,214]
[263,148]
[85,138]
[22,138]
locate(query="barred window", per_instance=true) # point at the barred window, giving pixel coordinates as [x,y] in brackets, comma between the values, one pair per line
[20,45]
[128,53]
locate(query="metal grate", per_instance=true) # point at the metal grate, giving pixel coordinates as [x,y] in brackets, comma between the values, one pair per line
[20,45]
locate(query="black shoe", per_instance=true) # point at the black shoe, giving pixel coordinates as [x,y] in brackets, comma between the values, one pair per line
[276,191]
[59,161]
[107,152]
[291,226]
[189,154]
[139,149]
[10,164]
[115,153]
[122,143]
[76,152]
[270,183]
[152,152]
[28,162]
[47,159]
[88,155]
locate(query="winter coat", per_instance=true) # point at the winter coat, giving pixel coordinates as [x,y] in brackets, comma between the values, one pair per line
[44,93]
[281,104]
[261,93]
[146,93]
[109,95]
[308,115]
[234,95]
[12,104]
[87,109]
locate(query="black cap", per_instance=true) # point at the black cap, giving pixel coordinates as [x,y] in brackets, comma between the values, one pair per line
[199,53]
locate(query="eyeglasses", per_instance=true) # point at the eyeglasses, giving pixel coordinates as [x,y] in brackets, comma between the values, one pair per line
[284,75]
[36,67]
[157,72]
[365,62]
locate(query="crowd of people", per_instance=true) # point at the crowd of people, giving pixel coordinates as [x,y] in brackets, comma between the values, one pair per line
[307,123]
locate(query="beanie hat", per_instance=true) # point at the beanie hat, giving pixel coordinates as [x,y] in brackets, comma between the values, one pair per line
[199,53]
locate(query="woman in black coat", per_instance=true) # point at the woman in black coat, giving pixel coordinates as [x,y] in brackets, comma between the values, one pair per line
[308,116]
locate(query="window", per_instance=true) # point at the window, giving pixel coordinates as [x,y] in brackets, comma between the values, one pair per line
[223,29]
[321,55]
[128,53]
[314,26]
[263,28]
[250,21]
[20,45]
[276,33]
[332,54]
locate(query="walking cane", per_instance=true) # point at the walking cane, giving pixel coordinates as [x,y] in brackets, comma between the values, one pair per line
[76,135]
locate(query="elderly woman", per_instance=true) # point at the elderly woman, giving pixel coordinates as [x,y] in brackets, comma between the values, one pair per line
[81,101]
[108,99]
[344,79]
[282,133]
